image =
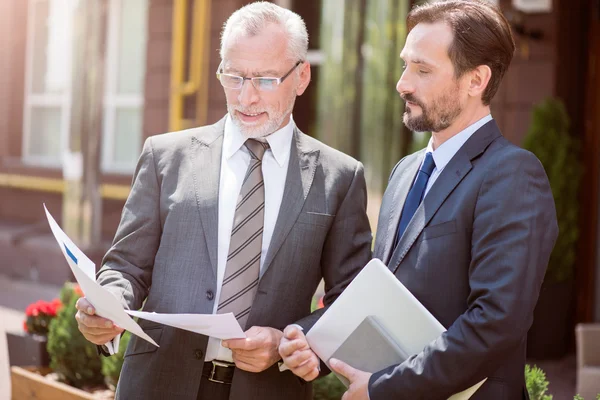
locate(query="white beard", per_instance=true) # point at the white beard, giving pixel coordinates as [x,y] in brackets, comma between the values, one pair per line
[275,119]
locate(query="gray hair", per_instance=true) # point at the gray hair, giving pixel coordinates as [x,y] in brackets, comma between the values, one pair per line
[251,19]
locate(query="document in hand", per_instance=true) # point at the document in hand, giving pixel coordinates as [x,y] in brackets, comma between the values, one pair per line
[84,270]
[221,326]
[363,312]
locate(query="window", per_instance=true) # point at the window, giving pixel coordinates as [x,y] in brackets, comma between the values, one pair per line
[49,75]
[47,86]
[124,84]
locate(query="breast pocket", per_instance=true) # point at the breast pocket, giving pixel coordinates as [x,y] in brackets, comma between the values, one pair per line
[315,218]
[438,230]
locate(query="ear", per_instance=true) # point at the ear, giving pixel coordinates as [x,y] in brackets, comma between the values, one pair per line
[479,80]
[304,77]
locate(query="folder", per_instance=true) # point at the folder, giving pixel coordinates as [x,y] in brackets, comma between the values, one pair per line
[372,339]
[376,322]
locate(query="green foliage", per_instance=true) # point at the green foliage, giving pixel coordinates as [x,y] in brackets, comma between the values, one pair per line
[577,397]
[74,358]
[536,382]
[560,153]
[328,388]
[111,366]
[419,141]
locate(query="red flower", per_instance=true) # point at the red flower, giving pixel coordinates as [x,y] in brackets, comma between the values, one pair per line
[39,315]
[320,304]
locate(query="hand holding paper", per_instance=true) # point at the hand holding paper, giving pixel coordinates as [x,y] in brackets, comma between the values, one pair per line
[104,302]
[96,329]
[106,305]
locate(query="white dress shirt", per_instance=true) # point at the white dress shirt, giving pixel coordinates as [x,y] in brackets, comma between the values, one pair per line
[443,154]
[234,164]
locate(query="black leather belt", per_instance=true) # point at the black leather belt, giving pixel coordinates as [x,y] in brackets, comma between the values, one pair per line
[219,371]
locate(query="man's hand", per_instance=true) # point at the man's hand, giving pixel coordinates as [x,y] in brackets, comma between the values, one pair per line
[359,380]
[258,351]
[297,355]
[96,329]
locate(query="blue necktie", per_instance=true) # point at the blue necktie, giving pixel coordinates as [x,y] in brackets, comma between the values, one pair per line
[415,195]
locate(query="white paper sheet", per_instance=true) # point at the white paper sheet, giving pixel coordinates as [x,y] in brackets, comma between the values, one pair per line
[376,291]
[220,326]
[105,303]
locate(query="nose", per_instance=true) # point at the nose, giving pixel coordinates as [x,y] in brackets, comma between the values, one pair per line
[404,85]
[248,94]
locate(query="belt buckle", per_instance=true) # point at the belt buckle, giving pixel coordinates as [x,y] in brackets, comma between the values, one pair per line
[216,364]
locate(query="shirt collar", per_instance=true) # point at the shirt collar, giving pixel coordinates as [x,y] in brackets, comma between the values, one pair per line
[279,141]
[443,154]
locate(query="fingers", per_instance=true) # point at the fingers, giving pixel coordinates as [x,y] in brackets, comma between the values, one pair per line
[304,364]
[256,338]
[293,340]
[96,329]
[252,362]
[100,339]
[292,332]
[342,368]
[298,358]
[287,348]
[297,355]
[85,306]
[92,321]
[243,364]
[246,344]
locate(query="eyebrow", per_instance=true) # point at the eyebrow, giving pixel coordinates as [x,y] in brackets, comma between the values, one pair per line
[267,73]
[418,61]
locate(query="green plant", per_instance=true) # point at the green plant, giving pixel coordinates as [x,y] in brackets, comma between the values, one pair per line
[419,141]
[328,387]
[578,397]
[536,382]
[71,356]
[111,366]
[559,152]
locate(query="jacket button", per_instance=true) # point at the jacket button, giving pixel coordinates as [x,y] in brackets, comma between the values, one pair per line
[199,354]
[210,295]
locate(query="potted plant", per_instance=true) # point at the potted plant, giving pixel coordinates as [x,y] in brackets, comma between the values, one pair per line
[559,151]
[75,365]
[28,347]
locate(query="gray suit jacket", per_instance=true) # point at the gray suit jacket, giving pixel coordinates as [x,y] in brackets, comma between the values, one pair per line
[475,254]
[165,253]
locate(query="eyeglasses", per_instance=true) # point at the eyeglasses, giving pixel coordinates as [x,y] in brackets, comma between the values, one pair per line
[266,84]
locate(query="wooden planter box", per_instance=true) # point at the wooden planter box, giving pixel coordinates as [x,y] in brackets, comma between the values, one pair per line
[29,385]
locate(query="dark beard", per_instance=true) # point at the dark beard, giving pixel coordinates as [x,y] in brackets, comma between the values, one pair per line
[436,118]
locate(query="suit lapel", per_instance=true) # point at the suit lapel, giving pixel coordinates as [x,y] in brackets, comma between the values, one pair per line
[301,171]
[454,172]
[206,149]
[401,186]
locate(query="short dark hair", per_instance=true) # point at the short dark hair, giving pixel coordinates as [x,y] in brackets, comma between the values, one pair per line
[482,36]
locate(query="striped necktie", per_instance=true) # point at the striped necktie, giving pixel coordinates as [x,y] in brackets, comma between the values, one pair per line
[243,262]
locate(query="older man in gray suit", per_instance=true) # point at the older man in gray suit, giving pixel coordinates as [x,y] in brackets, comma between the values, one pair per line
[467,225]
[244,216]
